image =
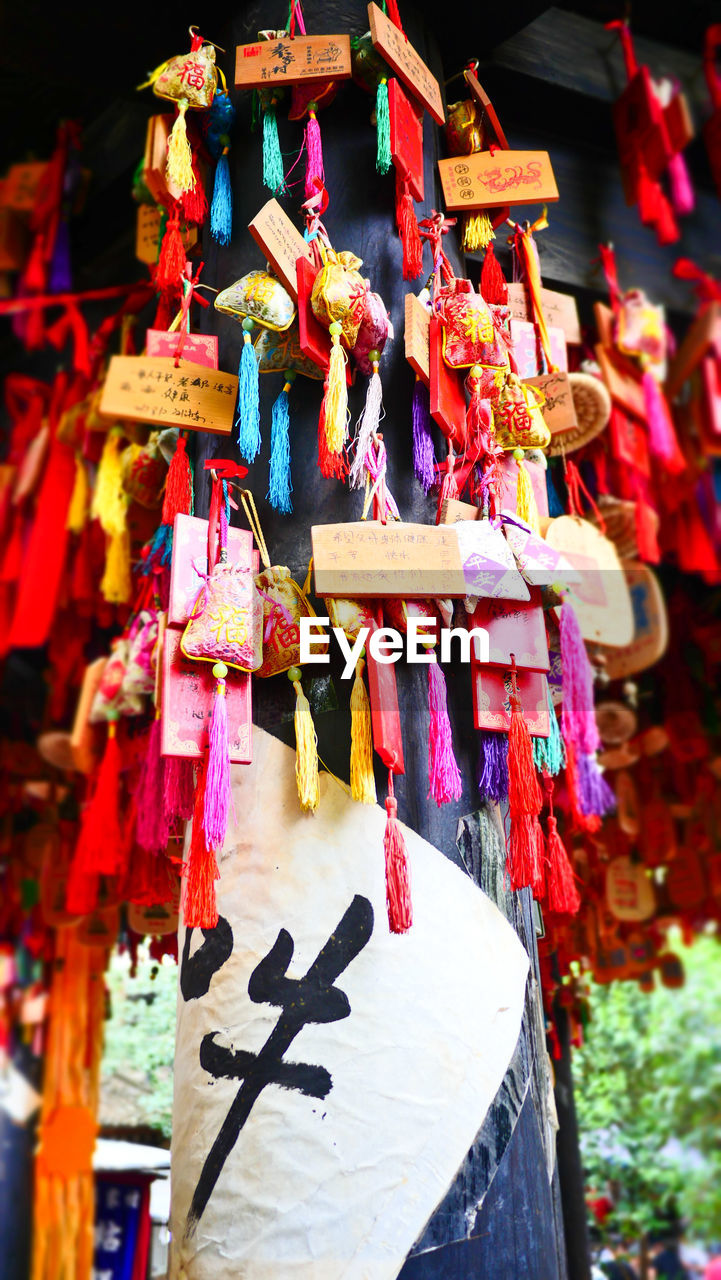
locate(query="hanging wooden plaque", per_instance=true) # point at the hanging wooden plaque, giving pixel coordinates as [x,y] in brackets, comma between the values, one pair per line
[416,333]
[601,598]
[406,122]
[300,60]
[281,242]
[484,179]
[650,625]
[367,558]
[447,396]
[558,412]
[395,47]
[558,308]
[150,389]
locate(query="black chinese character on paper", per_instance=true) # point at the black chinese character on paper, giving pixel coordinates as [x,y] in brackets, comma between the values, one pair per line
[310,999]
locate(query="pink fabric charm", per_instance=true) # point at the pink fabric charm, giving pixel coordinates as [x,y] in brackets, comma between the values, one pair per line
[444,779]
[226,624]
[661,431]
[683,197]
[372,333]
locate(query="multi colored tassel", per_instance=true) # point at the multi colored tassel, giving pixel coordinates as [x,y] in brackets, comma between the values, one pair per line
[398,885]
[248,415]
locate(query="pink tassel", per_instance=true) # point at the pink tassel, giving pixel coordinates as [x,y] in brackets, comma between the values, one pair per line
[661,433]
[217,782]
[444,779]
[683,197]
[578,717]
[314,172]
[152,828]
[178,789]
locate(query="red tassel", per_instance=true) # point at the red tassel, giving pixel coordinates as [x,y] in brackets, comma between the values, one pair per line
[200,909]
[563,896]
[195,204]
[12,562]
[667,228]
[494,289]
[407,224]
[100,849]
[646,523]
[178,497]
[398,885]
[81,895]
[333,466]
[171,263]
[648,197]
[525,859]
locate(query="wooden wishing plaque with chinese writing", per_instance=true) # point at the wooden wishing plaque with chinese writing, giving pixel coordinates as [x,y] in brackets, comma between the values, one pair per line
[151,389]
[281,243]
[558,411]
[297,61]
[394,46]
[484,180]
[378,560]
[417,330]
[559,309]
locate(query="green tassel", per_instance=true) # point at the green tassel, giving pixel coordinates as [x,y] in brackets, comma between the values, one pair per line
[550,753]
[383,127]
[273,176]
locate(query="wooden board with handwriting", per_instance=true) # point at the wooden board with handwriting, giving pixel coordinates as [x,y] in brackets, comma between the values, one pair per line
[417,329]
[558,412]
[395,47]
[151,389]
[298,61]
[368,558]
[281,242]
[484,180]
[147,234]
[559,309]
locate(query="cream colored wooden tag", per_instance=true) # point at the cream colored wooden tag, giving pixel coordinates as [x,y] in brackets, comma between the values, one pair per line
[452,511]
[558,412]
[484,180]
[298,61]
[650,635]
[281,242]
[560,309]
[629,892]
[368,558]
[147,234]
[417,330]
[408,65]
[151,389]
[601,599]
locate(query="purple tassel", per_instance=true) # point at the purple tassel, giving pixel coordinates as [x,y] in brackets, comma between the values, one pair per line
[493,765]
[60,270]
[683,197]
[217,778]
[424,458]
[178,789]
[444,779]
[594,794]
[152,830]
[578,716]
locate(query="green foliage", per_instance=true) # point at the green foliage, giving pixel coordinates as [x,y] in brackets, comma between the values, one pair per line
[140,1036]
[648,1096]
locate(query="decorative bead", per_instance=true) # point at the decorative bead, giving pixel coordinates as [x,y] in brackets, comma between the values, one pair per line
[290,375]
[476,371]
[518,454]
[294,674]
[334,328]
[248,324]
[220,670]
[374,355]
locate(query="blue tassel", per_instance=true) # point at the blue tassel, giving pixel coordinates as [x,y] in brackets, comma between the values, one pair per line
[554,505]
[280,485]
[161,549]
[248,417]
[550,753]
[221,210]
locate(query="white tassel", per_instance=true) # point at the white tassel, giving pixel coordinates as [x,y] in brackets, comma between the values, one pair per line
[366,430]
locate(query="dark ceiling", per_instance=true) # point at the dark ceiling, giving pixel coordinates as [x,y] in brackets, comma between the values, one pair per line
[78,63]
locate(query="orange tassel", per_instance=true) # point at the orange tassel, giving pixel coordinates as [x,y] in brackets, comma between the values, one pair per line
[398,884]
[200,910]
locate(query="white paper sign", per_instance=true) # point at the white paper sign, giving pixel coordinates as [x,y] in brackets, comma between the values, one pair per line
[541,565]
[329,1077]
[489,567]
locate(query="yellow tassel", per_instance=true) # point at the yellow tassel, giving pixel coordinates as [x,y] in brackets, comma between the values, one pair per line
[78,509]
[306,752]
[336,399]
[526,508]
[477,231]
[362,780]
[179,168]
[117,585]
[110,502]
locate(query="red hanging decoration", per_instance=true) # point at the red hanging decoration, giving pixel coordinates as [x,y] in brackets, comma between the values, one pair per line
[398,886]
